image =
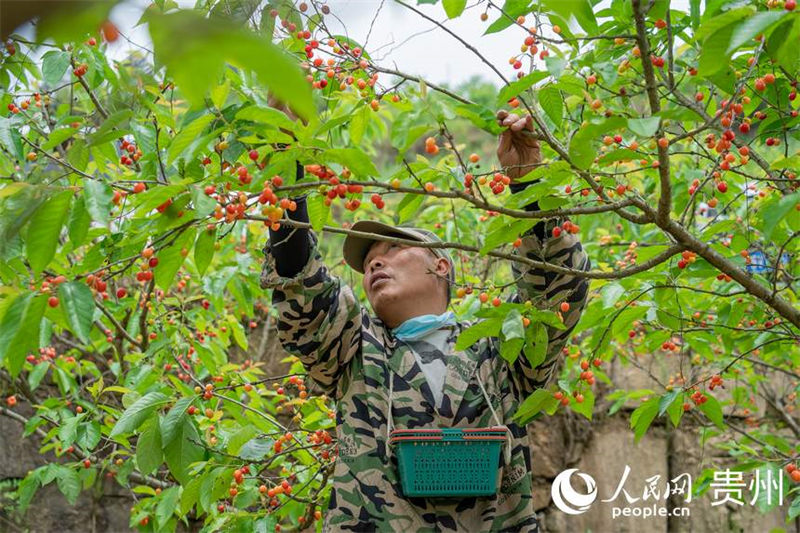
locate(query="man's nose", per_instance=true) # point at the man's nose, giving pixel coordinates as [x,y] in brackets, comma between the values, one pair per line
[375,262]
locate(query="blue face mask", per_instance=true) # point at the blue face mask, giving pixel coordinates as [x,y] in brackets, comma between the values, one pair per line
[416,327]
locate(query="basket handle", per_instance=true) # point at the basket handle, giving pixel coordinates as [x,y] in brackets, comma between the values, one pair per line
[496,418]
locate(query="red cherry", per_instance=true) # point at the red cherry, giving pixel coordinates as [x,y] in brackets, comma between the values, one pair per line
[52,301]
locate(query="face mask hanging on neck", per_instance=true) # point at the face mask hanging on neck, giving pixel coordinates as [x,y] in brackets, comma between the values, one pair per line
[416,327]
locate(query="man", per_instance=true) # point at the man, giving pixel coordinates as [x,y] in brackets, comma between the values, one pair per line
[352,356]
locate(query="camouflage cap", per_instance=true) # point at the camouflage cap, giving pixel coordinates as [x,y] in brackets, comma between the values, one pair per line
[355,248]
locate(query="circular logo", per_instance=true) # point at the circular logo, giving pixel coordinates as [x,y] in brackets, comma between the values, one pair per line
[567,498]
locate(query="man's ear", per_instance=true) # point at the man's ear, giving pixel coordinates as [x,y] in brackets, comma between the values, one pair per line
[442,266]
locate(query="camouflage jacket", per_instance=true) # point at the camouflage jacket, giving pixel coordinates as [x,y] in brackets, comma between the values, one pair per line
[345,351]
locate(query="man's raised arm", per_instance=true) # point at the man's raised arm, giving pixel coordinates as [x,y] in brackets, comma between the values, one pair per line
[319,317]
[519,153]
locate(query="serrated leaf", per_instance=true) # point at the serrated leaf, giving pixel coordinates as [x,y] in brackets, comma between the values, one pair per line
[181,452]
[98,197]
[644,127]
[510,11]
[156,196]
[483,329]
[505,234]
[353,158]
[169,426]
[56,137]
[454,8]
[750,27]
[551,101]
[186,136]
[219,93]
[712,409]
[170,259]
[137,413]
[78,305]
[79,222]
[643,416]
[44,228]
[255,449]
[318,212]
[539,400]
[69,483]
[204,249]
[54,65]
[358,124]
[148,448]
[109,130]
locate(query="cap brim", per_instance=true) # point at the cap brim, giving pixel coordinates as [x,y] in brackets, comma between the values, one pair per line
[355,248]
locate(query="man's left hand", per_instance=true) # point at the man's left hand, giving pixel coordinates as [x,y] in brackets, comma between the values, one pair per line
[519,151]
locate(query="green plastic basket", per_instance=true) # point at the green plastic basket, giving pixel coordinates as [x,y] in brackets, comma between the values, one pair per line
[448,462]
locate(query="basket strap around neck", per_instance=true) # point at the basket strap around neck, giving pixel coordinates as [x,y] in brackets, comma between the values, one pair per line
[496,418]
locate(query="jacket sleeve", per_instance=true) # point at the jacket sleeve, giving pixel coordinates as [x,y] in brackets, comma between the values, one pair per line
[319,317]
[547,290]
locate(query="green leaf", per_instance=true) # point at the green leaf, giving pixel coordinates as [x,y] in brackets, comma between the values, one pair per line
[170,259]
[318,212]
[187,135]
[712,26]
[586,407]
[78,154]
[79,222]
[712,52]
[44,229]
[173,420]
[195,49]
[667,400]
[54,65]
[794,509]
[78,305]
[454,8]
[182,452]
[580,9]
[148,448]
[167,505]
[68,430]
[643,416]
[255,449]
[750,27]
[353,158]
[510,11]
[536,354]
[19,330]
[644,127]
[505,234]
[551,101]
[712,409]
[518,87]
[358,124]
[239,438]
[773,216]
[137,413]
[786,163]
[485,328]
[56,137]
[204,249]
[267,115]
[98,196]
[156,196]
[540,400]
[219,93]
[109,130]
[69,483]
[10,136]
[512,326]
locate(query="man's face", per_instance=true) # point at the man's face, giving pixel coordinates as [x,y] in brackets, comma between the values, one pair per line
[401,281]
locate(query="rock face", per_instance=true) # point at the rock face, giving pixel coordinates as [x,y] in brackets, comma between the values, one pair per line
[601,448]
